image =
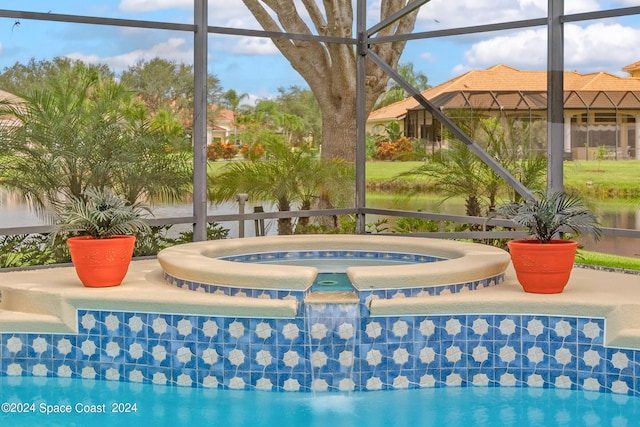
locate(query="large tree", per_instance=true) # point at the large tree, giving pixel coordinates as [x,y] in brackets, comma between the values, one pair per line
[163,84]
[330,68]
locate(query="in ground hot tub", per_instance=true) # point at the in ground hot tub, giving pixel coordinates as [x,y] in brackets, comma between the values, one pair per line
[287,266]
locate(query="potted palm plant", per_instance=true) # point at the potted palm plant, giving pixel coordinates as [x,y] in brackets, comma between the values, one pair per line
[98,227]
[543,263]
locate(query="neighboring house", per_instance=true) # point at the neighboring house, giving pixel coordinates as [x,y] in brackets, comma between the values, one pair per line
[8,98]
[221,126]
[600,109]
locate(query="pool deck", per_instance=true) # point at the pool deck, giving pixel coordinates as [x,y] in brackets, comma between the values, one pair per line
[46,300]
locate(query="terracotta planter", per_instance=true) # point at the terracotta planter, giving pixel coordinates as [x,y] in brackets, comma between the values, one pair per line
[101,262]
[543,268]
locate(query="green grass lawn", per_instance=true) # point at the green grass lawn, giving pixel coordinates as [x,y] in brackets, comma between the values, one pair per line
[607,260]
[601,179]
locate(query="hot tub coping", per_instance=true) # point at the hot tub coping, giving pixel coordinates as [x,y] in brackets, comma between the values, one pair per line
[198,261]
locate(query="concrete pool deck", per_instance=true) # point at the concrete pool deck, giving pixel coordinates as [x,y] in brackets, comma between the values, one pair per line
[47,300]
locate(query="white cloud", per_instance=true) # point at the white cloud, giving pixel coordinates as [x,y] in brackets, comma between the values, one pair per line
[246,46]
[442,14]
[602,46]
[525,49]
[174,49]
[428,57]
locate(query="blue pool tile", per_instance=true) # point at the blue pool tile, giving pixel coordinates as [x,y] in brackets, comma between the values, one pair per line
[535,329]
[480,377]
[185,327]
[89,322]
[453,354]
[136,373]
[591,381]
[89,347]
[563,355]
[374,329]
[401,356]
[64,347]
[64,368]
[535,355]
[454,377]
[453,328]
[236,330]
[184,377]
[480,327]
[210,329]
[480,354]
[237,380]
[290,331]
[136,351]
[294,381]
[113,350]
[563,329]
[509,377]
[264,380]
[159,353]
[183,354]
[236,357]
[563,378]
[620,361]
[508,328]
[135,325]
[590,331]
[591,358]
[39,367]
[263,358]
[620,384]
[161,327]
[110,323]
[508,354]
[40,346]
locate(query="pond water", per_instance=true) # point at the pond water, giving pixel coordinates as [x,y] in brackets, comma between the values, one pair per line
[616,214]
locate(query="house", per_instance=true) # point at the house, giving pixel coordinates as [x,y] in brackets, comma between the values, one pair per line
[601,110]
[221,127]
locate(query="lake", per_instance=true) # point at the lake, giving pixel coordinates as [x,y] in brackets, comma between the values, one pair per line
[14,212]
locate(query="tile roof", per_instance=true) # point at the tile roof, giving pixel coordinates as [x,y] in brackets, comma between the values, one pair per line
[505,79]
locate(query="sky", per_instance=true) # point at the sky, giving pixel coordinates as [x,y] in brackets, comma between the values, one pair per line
[254,65]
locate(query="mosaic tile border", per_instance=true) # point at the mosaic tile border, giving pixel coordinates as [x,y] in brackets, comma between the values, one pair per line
[274,256]
[484,350]
[364,295]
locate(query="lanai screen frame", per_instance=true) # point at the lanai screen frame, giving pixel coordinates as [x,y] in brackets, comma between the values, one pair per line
[200,30]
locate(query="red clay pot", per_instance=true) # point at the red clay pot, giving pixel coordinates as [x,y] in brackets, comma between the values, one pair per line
[101,262]
[543,268]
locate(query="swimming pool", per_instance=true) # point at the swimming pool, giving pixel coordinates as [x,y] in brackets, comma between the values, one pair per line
[177,406]
[147,333]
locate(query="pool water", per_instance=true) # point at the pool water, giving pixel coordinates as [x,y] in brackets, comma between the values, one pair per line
[127,403]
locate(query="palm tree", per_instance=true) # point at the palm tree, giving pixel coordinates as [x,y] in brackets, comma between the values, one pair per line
[395,93]
[459,172]
[83,130]
[286,175]
[231,100]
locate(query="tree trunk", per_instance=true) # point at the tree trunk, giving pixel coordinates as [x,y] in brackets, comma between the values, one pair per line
[285,227]
[330,68]
[339,132]
[303,221]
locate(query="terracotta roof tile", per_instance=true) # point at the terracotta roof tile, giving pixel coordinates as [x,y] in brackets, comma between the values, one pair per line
[505,78]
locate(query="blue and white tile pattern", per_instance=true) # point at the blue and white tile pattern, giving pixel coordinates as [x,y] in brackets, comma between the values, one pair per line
[486,350]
